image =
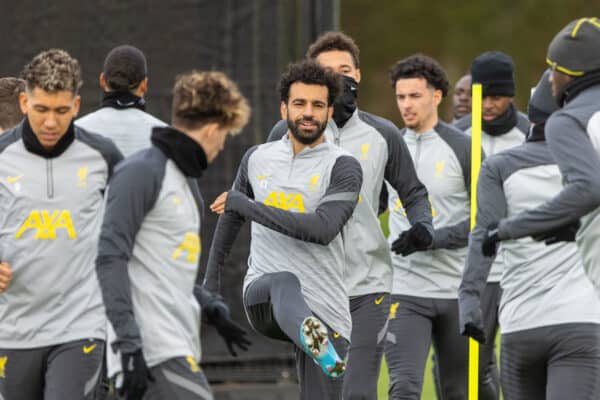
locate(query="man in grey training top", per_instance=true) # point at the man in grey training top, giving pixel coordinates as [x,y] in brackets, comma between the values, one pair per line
[298,192]
[122,116]
[53,177]
[150,245]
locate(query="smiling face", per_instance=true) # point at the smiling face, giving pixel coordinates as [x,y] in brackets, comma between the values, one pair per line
[417,103]
[49,113]
[306,111]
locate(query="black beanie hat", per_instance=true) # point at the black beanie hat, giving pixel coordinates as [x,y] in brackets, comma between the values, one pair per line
[575,50]
[494,71]
[542,104]
[124,68]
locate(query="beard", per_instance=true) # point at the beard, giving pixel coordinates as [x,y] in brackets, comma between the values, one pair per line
[306,137]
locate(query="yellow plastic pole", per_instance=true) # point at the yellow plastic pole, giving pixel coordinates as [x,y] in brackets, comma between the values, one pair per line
[476,101]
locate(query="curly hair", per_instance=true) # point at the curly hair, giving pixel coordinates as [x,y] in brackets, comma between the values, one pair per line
[10,112]
[421,66]
[202,97]
[330,41]
[53,71]
[309,73]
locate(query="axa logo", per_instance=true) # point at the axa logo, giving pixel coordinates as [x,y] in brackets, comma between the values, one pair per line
[190,245]
[45,224]
[285,201]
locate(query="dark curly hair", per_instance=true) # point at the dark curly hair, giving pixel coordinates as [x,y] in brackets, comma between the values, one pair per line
[330,41]
[10,112]
[421,66]
[53,71]
[201,97]
[310,73]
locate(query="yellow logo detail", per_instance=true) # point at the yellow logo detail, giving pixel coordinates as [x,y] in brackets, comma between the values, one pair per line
[82,174]
[439,168]
[193,364]
[3,361]
[359,198]
[393,309]
[176,200]
[313,182]
[364,151]
[47,224]
[399,206]
[261,177]
[433,213]
[89,349]
[285,201]
[336,335]
[13,179]
[379,300]
[191,244]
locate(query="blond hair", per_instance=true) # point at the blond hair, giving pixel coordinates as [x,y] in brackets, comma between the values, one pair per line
[53,71]
[201,97]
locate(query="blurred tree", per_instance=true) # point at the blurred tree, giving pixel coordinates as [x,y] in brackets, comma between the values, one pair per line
[453,32]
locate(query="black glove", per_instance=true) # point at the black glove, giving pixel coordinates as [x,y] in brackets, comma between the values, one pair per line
[217,314]
[565,233]
[490,240]
[417,238]
[136,375]
[474,327]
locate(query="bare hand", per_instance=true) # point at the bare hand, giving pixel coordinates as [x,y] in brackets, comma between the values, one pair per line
[5,276]
[218,206]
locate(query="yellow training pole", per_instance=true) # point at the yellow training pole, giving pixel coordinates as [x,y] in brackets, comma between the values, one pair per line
[476,101]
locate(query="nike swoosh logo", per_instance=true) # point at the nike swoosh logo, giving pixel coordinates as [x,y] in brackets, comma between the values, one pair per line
[379,300]
[89,349]
[13,179]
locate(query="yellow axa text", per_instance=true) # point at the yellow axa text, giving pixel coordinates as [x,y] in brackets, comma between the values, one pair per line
[285,201]
[46,223]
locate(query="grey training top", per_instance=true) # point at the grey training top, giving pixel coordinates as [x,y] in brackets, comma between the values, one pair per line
[129,128]
[442,158]
[382,153]
[573,135]
[148,258]
[492,145]
[50,216]
[542,285]
[298,205]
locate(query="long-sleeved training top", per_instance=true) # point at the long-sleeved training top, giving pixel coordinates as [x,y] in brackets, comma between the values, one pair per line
[542,285]
[442,158]
[150,248]
[298,205]
[51,205]
[383,155]
[573,136]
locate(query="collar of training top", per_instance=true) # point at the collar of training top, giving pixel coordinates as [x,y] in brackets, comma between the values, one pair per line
[123,100]
[33,145]
[578,85]
[183,150]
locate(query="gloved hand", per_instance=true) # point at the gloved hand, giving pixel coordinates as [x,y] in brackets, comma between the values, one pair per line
[489,246]
[565,233]
[136,375]
[474,331]
[416,238]
[217,314]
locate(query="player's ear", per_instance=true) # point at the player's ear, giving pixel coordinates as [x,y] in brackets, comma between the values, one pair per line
[283,110]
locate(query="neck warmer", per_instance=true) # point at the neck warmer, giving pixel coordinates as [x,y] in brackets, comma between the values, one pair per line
[183,150]
[33,145]
[345,105]
[502,124]
[537,133]
[578,85]
[122,100]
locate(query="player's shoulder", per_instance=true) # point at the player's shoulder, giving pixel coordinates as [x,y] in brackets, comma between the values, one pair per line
[10,137]
[382,125]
